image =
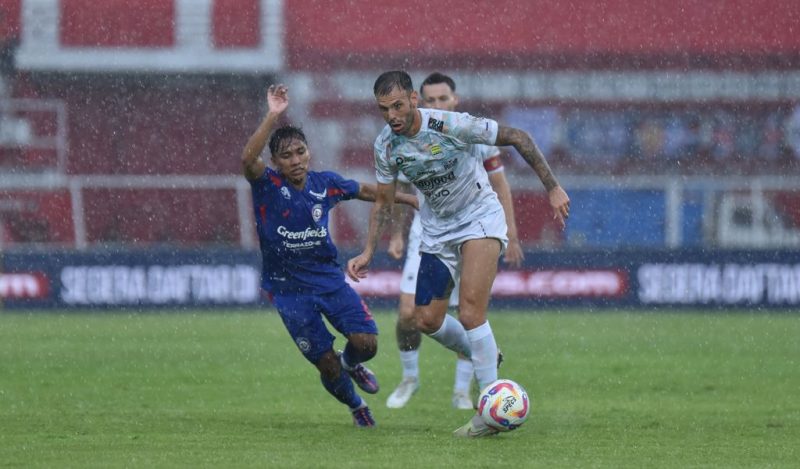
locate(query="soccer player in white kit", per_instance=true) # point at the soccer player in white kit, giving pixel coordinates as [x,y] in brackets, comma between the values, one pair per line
[463,225]
[438,92]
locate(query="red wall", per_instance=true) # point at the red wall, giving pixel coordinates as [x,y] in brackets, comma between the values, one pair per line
[151,23]
[155,125]
[506,32]
[161,216]
[236,23]
[43,217]
[453,33]
[117,23]
[10,19]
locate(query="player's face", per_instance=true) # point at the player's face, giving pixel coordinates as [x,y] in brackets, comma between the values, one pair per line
[292,161]
[399,109]
[439,96]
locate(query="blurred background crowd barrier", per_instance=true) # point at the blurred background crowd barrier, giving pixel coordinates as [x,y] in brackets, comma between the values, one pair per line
[674,127]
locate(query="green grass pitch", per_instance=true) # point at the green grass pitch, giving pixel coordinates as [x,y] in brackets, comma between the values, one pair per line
[229,389]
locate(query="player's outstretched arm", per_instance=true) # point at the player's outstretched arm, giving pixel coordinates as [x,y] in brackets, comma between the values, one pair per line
[381,212]
[277,101]
[513,255]
[369,192]
[526,147]
[400,223]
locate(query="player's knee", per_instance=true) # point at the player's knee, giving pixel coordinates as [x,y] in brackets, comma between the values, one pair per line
[406,310]
[366,345]
[471,322]
[329,366]
[428,322]
[468,298]
[471,317]
[407,323]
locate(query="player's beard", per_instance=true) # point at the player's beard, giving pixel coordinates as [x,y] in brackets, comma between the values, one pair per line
[398,127]
[405,125]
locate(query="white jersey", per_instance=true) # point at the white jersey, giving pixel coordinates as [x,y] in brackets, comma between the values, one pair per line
[490,155]
[444,165]
[408,284]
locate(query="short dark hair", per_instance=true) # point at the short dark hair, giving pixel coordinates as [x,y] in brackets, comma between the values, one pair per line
[389,80]
[283,135]
[435,78]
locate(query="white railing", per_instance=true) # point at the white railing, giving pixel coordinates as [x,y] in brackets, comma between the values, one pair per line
[737,210]
[77,184]
[723,197]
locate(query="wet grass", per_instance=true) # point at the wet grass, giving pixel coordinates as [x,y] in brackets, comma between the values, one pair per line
[610,389]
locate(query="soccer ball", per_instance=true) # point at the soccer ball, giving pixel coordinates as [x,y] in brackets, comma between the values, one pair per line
[504,405]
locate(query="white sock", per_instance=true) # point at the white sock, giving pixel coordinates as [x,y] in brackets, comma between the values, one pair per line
[452,335]
[464,372]
[410,361]
[345,365]
[477,422]
[360,406]
[484,354]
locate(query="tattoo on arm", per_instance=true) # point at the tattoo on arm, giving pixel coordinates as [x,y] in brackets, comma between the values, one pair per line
[400,213]
[366,192]
[383,213]
[529,151]
[380,214]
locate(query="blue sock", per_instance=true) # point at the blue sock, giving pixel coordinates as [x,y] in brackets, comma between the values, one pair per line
[352,356]
[343,390]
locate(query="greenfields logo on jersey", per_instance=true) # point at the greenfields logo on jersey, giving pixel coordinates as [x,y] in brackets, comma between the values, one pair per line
[320,232]
[435,150]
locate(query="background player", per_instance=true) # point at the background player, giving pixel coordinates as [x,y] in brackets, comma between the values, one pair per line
[464,229]
[438,92]
[300,272]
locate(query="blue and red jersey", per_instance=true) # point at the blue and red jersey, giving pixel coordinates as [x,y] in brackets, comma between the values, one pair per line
[297,251]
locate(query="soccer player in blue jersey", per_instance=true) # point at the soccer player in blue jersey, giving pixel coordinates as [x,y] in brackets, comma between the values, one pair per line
[300,272]
[464,230]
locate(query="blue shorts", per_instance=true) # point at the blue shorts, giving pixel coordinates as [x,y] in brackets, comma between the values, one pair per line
[434,281]
[302,316]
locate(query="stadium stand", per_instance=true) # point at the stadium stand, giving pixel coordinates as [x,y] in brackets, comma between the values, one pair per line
[668,102]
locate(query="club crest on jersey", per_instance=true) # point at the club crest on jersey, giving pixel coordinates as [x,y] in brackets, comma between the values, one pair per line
[303,344]
[435,124]
[435,150]
[285,193]
[316,212]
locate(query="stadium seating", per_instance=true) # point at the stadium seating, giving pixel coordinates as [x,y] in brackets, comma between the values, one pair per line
[194,124]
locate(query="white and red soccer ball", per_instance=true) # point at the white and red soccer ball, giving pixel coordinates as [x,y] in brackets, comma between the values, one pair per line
[504,405]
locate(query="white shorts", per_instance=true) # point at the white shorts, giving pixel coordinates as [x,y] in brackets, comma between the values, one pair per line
[447,247]
[408,283]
